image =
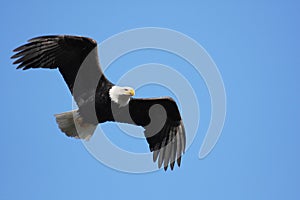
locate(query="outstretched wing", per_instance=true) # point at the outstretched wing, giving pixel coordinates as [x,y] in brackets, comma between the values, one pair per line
[67,53]
[164,128]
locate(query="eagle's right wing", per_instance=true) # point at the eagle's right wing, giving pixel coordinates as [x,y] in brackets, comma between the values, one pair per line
[68,54]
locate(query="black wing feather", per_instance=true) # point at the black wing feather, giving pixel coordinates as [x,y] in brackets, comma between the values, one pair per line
[168,143]
[64,52]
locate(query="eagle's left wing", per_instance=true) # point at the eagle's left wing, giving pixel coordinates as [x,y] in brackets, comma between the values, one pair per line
[164,128]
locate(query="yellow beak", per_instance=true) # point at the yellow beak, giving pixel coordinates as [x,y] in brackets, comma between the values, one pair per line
[131,92]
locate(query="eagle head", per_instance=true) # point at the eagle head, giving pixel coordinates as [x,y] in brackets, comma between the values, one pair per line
[121,95]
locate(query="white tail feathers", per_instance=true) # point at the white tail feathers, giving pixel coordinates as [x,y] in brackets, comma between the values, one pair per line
[72,124]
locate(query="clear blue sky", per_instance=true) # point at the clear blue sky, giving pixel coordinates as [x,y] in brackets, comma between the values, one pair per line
[256,47]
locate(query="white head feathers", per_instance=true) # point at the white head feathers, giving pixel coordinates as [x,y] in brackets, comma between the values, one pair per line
[121,95]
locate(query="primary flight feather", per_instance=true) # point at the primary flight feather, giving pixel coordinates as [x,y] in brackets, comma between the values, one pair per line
[99,100]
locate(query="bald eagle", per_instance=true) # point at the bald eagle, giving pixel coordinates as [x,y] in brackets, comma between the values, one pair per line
[99,100]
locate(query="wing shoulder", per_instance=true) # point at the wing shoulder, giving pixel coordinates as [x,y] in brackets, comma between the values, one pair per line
[142,106]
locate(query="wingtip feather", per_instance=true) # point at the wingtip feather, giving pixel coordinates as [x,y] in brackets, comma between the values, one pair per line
[179,161]
[166,167]
[172,165]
